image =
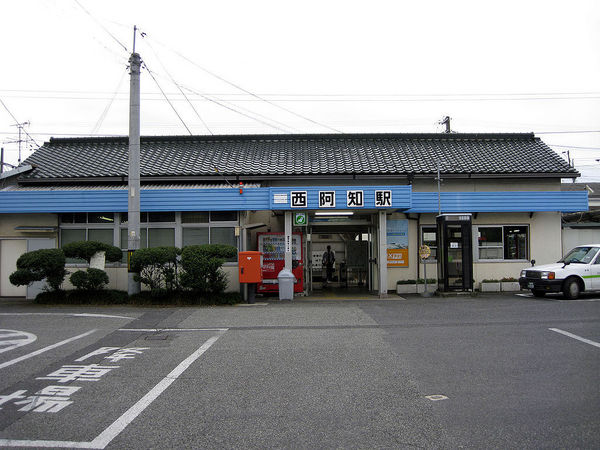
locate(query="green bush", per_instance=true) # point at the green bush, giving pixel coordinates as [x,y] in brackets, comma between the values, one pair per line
[42,264]
[202,272]
[429,281]
[87,249]
[90,280]
[157,268]
[508,279]
[406,282]
[490,281]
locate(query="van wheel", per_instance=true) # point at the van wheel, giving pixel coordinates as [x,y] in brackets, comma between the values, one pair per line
[571,289]
[538,293]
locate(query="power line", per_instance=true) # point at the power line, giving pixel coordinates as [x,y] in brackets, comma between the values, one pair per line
[573,146]
[107,108]
[101,26]
[567,132]
[233,109]
[250,93]
[291,94]
[178,87]
[166,98]
[17,123]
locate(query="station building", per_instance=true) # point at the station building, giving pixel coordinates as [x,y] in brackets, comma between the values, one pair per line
[374,198]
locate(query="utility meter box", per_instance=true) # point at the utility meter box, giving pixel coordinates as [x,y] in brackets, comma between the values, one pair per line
[250,264]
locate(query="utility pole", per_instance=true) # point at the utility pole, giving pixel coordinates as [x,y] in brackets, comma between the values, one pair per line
[20,140]
[446,121]
[133,179]
[439,183]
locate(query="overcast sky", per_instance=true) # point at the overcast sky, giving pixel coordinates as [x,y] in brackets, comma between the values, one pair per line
[305,67]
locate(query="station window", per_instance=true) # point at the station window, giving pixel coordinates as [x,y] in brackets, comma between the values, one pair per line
[507,242]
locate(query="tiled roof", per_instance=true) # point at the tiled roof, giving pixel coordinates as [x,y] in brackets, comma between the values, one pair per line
[296,155]
[592,188]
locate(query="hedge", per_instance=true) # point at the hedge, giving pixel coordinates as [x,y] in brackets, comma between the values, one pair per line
[202,271]
[87,249]
[157,268]
[41,264]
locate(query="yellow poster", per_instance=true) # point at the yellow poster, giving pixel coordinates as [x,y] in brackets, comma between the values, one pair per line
[397,257]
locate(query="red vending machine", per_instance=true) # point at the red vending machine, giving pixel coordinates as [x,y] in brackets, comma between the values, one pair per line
[272,246]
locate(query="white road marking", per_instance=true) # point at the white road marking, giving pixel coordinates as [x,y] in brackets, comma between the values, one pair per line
[574,336]
[160,330]
[113,430]
[45,349]
[562,300]
[68,314]
[436,397]
[11,339]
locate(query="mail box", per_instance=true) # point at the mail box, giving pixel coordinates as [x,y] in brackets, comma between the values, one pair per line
[250,264]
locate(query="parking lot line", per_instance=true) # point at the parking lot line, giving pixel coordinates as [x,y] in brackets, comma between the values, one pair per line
[107,316]
[574,336]
[159,330]
[45,349]
[113,430]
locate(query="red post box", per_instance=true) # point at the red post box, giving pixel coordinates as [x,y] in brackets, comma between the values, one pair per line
[250,265]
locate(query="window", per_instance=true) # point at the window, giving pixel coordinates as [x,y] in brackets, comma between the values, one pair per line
[104,235]
[194,217]
[161,217]
[101,217]
[490,243]
[429,238]
[151,237]
[195,236]
[507,242]
[223,216]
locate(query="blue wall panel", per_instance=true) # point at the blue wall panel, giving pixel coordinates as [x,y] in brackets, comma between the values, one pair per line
[263,199]
[570,201]
[401,196]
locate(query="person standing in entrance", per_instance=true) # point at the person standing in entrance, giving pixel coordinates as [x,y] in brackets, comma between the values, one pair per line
[328,261]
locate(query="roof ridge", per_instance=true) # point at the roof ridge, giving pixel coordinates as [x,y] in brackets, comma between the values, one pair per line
[289,137]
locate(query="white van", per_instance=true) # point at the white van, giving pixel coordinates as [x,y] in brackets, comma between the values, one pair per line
[577,272]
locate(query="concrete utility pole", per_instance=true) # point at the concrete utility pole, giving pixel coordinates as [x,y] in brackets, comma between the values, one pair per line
[133,203]
[446,121]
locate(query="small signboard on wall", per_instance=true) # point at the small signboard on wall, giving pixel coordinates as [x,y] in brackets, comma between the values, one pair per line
[397,243]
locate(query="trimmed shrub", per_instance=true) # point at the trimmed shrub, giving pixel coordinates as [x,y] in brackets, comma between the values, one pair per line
[202,272]
[42,264]
[90,280]
[157,268]
[87,249]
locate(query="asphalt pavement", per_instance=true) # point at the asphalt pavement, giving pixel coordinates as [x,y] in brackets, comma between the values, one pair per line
[492,371]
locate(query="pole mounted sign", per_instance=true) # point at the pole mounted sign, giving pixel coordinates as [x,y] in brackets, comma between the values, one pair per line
[300,219]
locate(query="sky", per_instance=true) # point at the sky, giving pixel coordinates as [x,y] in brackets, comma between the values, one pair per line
[248,67]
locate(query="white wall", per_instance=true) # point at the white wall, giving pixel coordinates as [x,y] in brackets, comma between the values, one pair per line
[572,237]
[10,250]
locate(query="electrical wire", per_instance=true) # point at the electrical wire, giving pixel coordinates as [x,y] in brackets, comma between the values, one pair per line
[145,66]
[17,123]
[221,103]
[101,26]
[574,146]
[248,92]
[107,108]
[143,35]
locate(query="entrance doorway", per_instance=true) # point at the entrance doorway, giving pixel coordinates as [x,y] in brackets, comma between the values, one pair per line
[351,239]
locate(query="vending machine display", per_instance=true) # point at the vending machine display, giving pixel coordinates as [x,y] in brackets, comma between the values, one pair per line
[272,246]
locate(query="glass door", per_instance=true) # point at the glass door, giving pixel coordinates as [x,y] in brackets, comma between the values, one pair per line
[455,256]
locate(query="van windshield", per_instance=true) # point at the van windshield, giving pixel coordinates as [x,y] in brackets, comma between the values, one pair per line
[580,255]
